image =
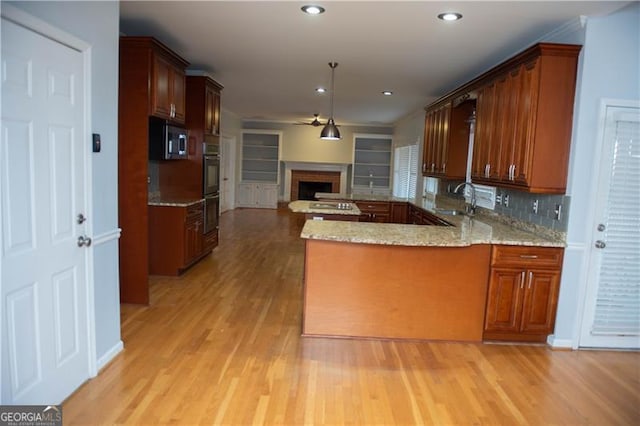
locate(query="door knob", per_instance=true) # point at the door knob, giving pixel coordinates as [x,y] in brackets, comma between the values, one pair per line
[600,244]
[83,240]
[601,227]
[81,219]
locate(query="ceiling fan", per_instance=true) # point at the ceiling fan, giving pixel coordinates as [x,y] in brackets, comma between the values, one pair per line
[315,122]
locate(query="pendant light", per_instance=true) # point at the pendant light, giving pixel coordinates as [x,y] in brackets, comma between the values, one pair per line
[330,131]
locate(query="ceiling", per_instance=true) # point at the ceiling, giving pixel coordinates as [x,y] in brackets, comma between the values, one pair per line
[270,56]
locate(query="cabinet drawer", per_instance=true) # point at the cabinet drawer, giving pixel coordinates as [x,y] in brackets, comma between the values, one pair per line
[531,257]
[194,212]
[211,240]
[374,207]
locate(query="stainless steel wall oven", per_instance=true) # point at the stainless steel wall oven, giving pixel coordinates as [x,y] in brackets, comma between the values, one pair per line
[211,184]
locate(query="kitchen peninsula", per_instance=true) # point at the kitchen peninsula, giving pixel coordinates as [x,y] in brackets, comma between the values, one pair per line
[400,281]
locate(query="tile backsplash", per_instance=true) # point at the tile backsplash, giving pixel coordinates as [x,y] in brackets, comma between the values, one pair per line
[154,176]
[520,206]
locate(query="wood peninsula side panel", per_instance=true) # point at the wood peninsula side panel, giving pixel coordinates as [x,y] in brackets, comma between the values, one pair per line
[395,292]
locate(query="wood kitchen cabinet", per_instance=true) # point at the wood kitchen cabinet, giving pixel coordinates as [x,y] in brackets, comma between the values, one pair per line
[203,105]
[168,89]
[524,119]
[212,107]
[176,239]
[436,135]
[374,211]
[523,292]
[399,212]
[184,178]
[145,69]
[446,139]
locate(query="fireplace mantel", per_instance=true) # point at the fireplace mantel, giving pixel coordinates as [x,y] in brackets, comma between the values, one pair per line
[316,167]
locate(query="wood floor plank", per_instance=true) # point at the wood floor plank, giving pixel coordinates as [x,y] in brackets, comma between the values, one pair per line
[221,345]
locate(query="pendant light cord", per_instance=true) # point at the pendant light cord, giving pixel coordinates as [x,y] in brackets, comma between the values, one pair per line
[333,66]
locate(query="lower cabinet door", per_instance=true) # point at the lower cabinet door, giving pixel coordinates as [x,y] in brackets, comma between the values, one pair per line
[246,194]
[540,301]
[504,300]
[267,196]
[190,243]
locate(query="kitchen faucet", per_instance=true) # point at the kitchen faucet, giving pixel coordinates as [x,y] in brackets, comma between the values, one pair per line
[472,208]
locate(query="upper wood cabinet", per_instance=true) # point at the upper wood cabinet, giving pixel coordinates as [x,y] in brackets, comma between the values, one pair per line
[212,108]
[524,120]
[203,105]
[446,139]
[524,116]
[436,137]
[168,87]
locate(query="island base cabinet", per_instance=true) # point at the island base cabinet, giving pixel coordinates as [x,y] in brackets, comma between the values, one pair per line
[523,295]
[395,292]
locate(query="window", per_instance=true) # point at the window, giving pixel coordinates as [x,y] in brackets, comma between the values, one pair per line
[405,171]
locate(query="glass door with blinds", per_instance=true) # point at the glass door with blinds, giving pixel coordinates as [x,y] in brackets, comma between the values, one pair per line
[405,171]
[612,307]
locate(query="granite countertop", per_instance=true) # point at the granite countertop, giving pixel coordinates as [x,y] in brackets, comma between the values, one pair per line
[302,206]
[173,201]
[357,197]
[480,229]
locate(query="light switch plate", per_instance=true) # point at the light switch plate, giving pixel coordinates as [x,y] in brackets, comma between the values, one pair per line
[97,144]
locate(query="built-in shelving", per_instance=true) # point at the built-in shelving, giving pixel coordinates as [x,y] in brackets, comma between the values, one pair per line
[260,173]
[372,163]
[260,156]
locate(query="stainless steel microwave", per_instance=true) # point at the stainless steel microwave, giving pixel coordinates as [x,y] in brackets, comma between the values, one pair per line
[166,141]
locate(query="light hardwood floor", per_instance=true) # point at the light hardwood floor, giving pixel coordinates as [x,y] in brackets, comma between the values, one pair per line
[222,345]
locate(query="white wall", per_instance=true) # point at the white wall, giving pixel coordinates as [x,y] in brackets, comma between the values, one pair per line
[610,68]
[408,131]
[97,23]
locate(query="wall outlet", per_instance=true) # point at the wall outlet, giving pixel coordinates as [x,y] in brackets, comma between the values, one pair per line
[498,199]
[558,211]
[534,207]
[505,200]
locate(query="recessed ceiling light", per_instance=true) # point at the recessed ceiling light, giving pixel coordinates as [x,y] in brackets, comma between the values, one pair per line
[320,89]
[450,16]
[387,93]
[313,9]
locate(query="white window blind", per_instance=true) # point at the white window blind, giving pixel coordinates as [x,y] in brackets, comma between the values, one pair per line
[617,310]
[405,171]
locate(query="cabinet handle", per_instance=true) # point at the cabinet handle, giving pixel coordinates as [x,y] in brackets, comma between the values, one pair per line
[424,167]
[530,279]
[528,256]
[521,280]
[444,167]
[513,172]
[433,167]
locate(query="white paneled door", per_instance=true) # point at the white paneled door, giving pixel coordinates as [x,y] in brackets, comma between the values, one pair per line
[612,307]
[44,307]
[227,172]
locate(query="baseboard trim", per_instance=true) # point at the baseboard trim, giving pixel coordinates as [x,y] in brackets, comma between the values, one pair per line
[110,355]
[559,343]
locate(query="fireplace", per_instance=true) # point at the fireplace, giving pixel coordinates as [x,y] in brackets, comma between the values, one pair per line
[307,190]
[305,183]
